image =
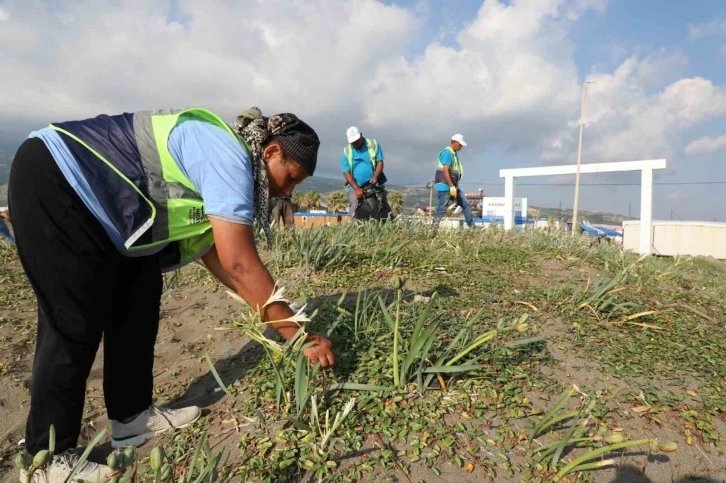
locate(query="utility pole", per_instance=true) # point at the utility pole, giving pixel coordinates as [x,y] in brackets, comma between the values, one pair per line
[575,226]
[430,186]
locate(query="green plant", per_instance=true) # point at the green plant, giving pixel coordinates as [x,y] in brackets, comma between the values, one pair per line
[337,201]
[583,432]
[281,357]
[364,320]
[320,248]
[601,299]
[119,461]
[322,431]
[395,200]
[420,347]
[40,462]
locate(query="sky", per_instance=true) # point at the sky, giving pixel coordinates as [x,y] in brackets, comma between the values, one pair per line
[508,75]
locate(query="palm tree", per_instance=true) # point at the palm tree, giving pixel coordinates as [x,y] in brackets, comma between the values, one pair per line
[298,198]
[337,201]
[395,200]
[313,199]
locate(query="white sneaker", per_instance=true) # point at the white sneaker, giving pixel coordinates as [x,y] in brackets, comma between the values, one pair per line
[151,422]
[62,466]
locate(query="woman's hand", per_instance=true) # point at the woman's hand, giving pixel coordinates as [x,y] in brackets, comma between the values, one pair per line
[321,352]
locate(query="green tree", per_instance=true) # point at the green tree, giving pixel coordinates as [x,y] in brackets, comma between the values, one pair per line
[337,201]
[313,199]
[298,198]
[395,200]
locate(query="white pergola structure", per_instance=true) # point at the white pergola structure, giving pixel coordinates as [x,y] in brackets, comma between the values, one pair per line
[646,190]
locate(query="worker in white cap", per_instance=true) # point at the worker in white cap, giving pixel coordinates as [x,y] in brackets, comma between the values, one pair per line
[362,165]
[448,174]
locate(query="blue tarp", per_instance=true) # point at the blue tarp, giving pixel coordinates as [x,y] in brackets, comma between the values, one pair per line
[608,231]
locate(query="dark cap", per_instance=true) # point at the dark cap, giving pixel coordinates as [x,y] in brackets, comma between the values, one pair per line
[298,140]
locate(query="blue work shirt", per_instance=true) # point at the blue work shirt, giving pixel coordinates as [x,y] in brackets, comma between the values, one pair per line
[362,166]
[215,163]
[446,159]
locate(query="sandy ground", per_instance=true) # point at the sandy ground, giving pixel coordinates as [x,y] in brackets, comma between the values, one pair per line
[189,318]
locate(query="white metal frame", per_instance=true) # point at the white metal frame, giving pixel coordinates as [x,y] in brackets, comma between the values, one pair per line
[646,190]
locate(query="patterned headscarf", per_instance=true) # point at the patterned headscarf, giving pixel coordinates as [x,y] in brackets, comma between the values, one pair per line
[297,139]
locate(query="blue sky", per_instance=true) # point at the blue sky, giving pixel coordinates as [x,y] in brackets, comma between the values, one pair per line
[506,74]
[602,41]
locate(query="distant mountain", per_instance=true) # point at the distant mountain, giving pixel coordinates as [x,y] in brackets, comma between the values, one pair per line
[593,217]
[321,185]
[414,197]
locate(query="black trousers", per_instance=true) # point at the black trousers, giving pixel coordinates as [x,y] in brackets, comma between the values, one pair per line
[86,291]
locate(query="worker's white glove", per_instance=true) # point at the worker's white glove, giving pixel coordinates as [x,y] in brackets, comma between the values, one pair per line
[452,191]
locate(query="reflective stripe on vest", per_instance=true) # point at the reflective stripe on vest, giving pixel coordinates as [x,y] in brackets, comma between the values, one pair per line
[456,169]
[176,209]
[372,146]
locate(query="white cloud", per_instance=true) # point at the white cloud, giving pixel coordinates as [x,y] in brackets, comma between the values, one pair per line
[299,57]
[509,80]
[706,145]
[624,121]
[722,51]
[4,15]
[659,69]
[717,26]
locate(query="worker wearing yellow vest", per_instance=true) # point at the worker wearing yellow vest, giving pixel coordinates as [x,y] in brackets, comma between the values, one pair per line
[448,175]
[362,165]
[100,208]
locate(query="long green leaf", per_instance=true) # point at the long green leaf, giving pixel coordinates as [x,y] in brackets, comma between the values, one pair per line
[554,421]
[465,330]
[84,456]
[430,338]
[342,297]
[568,437]
[453,369]
[550,414]
[597,452]
[482,339]
[386,314]
[195,458]
[51,441]
[216,375]
[301,383]
[422,318]
[593,466]
[419,346]
[546,450]
[462,334]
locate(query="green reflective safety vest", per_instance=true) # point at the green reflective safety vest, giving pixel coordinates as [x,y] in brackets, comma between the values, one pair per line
[372,146]
[456,168]
[177,217]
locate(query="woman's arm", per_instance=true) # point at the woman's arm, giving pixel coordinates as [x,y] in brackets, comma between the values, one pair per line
[211,261]
[235,262]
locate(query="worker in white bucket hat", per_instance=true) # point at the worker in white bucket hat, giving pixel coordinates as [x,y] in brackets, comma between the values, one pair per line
[448,175]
